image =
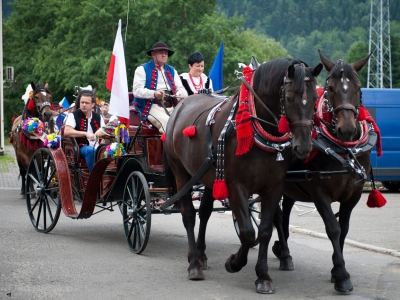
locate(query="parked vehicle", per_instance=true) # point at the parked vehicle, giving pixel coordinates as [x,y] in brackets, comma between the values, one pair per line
[384,107]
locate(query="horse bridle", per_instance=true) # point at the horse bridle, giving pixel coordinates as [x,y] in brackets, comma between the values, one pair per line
[40,106]
[345,88]
[286,80]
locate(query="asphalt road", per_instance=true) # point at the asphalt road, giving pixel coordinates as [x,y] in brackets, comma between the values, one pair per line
[89,259]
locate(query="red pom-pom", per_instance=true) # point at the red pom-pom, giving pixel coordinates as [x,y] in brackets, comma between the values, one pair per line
[220,189]
[362,113]
[189,131]
[162,138]
[375,199]
[13,119]
[30,105]
[283,126]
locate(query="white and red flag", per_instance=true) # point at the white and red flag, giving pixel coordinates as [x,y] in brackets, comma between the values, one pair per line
[117,82]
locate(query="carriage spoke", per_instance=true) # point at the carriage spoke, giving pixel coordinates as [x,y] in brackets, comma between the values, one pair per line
[137,234]
[46,171]
[39,213]
[50,177]
[34,205]
[37,171]
[49,208]
[33,178]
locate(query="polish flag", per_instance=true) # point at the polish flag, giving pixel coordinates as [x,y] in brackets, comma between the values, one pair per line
[117,82]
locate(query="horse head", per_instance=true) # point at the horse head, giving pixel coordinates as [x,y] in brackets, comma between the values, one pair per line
[298,97]
[343,95]
[39,103]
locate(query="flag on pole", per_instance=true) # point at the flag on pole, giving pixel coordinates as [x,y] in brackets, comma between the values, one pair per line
[216,72]
[117,82]
[64,103]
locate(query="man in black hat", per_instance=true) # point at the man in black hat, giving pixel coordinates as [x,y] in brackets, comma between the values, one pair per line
[154,83]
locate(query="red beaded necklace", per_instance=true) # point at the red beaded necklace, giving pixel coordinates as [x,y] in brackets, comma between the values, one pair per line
[196,86]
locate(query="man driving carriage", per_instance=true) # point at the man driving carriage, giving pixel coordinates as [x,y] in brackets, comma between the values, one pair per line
[154,83]
[82,125]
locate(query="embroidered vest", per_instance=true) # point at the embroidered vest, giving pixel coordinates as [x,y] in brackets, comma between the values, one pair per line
[186,85]
[82,125]
[143,105]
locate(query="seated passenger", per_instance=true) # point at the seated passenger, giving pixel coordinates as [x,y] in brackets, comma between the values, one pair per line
[82,125]
[196,80]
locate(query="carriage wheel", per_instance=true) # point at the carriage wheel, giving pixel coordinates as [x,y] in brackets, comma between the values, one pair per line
[136,212]
[254,216]
[44,209]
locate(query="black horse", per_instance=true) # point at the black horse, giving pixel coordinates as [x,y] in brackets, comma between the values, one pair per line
[343,141]
[281,87]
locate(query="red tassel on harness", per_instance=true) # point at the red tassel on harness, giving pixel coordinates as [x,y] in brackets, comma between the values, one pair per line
[362,113]
[31,105]
[189,131]
[375,199]
[283,126]
[244,126]
[162,138]
[220,189]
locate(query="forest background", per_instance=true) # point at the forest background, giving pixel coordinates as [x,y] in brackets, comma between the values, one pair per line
[68,43]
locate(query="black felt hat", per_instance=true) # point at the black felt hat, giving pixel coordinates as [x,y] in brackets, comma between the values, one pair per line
[160,46]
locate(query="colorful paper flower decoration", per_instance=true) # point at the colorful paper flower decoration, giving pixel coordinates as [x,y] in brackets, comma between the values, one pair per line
[33,125]
[52,140]
[114,150]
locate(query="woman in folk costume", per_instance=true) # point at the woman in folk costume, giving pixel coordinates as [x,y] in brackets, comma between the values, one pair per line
[154,83]
[196,80]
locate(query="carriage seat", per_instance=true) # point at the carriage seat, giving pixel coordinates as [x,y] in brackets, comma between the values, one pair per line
[72,151]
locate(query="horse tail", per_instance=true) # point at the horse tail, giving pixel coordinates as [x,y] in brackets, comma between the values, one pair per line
[169,176]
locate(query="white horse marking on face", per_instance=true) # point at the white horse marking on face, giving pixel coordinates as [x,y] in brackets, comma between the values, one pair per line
[304,101]
[44,93]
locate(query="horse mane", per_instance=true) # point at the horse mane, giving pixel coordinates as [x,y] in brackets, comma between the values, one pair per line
[343,68]
[268,77]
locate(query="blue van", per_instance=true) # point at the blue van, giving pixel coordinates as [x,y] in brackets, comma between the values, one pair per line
[384,107]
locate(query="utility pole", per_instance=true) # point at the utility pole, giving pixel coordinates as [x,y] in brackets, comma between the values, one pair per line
[379,64]
[1,84]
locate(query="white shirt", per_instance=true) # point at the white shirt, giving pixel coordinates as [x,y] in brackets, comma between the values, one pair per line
[139,83]
[71,122]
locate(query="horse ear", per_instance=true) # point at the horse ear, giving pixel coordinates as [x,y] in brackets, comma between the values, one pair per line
[94,91]
[326,62]
[358,66]
[33,85]
[316,70]
[46,85]
[290,71]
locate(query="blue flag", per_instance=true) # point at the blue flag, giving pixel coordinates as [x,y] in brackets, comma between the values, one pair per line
[216,72]
[64,103]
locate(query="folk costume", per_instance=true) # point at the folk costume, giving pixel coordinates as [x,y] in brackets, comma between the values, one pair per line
[150,78]
[194,84]
[79,122]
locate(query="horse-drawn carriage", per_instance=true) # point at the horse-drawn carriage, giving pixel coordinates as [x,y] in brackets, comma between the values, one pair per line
[224,163]
[134,182]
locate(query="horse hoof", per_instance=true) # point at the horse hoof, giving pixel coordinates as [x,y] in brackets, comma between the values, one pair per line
[228,264]
[286,264]
[265,287]
[195,273]
[343,286]
[275,249]
[203,264]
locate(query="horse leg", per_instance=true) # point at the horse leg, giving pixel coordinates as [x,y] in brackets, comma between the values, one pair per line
[281,223]
[269,206]
[188,212]
[340,276]
[206,206]
[344,219]
[238,202]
